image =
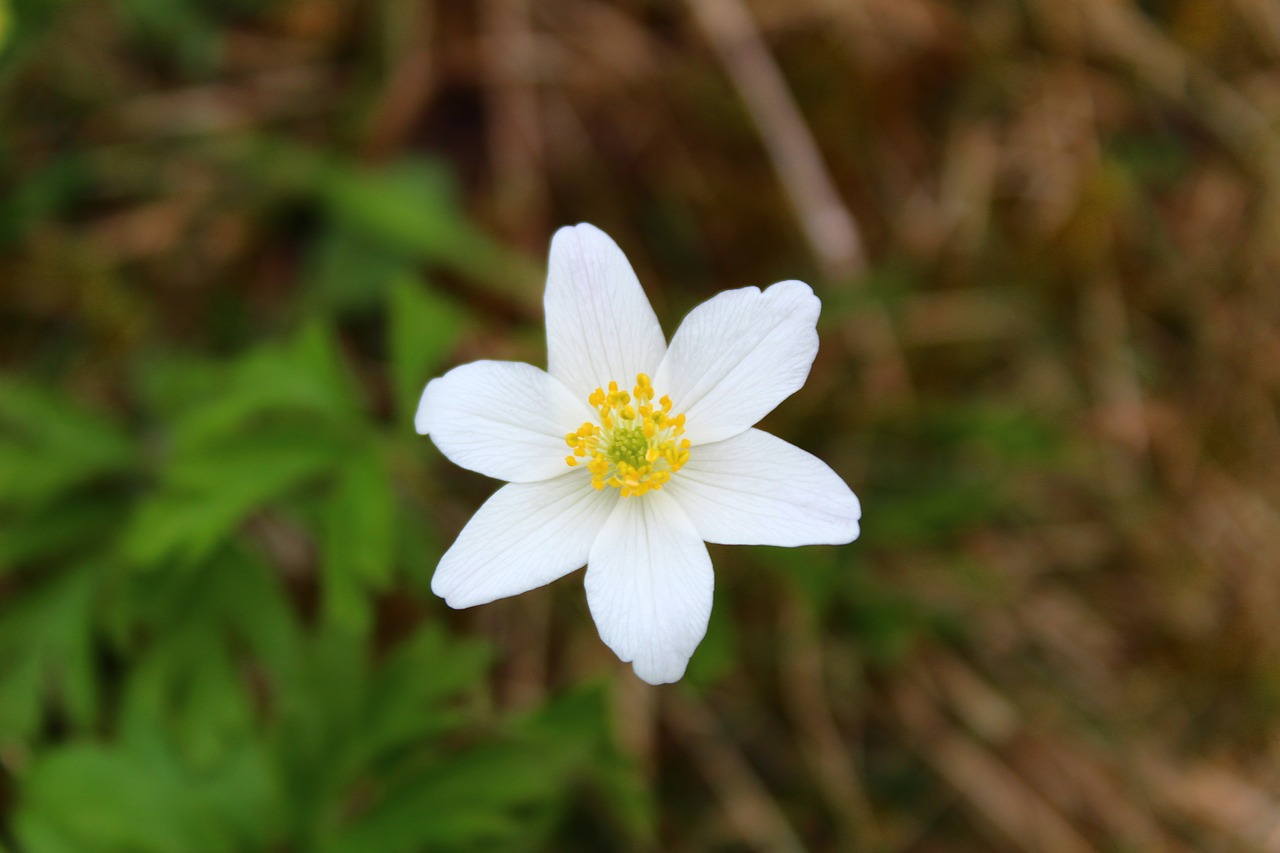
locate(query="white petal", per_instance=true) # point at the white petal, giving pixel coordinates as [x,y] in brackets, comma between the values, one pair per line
[738,355]
[600,326]
[756,489]
[525,536]
[649,585]
[503,419]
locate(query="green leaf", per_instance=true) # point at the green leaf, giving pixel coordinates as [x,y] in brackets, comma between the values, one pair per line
[344,723]
[349,272]
[208,494]
[66,527]
[190,687]
[180,29]
[407,696]
[139,798]
[485,795]
[46,654]
[418,546]
[49,192]
[304,377]
[406,211]
[425,327]
[408,207]
[173,383]
[6,23]
[576,727]
[359,537]
[235,595]
[49,446]
[717,654]
[497,793]
[320,710]
[88,796]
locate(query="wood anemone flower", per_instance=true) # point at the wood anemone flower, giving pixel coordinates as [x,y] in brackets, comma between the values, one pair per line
[627,454]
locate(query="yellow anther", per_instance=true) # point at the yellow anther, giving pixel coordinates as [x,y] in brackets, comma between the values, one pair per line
[644,388]
[633,448]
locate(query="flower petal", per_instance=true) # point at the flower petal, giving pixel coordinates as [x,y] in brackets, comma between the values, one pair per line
[738,355]
[525,536]
[649,585]
[756,489]
[503,419]
[600,326]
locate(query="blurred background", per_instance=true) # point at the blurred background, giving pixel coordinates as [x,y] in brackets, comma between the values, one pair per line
[238,236]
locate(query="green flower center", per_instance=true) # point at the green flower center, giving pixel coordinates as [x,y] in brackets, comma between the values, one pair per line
[628,444]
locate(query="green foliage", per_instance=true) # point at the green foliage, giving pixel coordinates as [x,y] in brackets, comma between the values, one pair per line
[51,446]
[59,466]
[286,418]
[383,223]
[46,656]
[424,329]
[960,479]
[185,32]
[155,654]
[138,797]
[62,181]
[6,23]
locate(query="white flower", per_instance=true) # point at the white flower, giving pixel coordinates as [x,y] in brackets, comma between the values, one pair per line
[661,454]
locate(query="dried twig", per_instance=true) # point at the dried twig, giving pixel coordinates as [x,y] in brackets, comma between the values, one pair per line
[410,85]
[516,148]
[751,810]
[828,224]
[1117,29]
[1014,810]
[1228,803]
[809,705]
[1118,389]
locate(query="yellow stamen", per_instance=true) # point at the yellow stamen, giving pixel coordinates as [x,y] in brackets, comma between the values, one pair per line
[634,448]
